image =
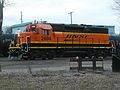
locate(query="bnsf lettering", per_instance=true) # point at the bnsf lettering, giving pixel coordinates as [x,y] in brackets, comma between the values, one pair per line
[76,36]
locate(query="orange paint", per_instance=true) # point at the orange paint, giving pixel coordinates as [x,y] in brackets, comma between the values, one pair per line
[61,37]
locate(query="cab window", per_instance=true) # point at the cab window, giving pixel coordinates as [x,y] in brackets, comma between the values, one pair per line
[34,30]
[45,32]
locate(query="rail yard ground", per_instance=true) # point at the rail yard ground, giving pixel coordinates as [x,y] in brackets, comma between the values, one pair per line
[55,75]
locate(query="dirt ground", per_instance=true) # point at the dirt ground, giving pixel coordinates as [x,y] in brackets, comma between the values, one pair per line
[55,75]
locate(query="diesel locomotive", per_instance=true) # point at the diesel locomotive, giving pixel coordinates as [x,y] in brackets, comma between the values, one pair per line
[48,40]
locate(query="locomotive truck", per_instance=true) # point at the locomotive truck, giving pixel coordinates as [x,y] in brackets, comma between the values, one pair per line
[48,40]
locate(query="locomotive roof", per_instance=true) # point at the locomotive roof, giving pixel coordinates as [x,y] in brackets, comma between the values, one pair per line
[82,28]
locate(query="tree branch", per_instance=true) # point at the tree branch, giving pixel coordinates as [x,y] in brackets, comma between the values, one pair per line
[117,5]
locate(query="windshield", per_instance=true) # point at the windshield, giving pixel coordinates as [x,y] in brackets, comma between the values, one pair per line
[33,30]
[17,30]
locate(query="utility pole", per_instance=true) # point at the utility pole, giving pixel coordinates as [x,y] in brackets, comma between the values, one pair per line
[71,16]
[21,18]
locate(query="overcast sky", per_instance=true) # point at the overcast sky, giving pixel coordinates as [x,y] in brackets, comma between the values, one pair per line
[98,12]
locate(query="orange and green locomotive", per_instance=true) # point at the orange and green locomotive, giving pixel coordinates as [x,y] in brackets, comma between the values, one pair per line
[56,40]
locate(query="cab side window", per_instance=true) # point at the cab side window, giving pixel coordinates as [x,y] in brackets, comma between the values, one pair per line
[45,32]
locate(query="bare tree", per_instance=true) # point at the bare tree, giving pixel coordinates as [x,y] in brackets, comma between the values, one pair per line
[1,14]
[117,5]
[3,3]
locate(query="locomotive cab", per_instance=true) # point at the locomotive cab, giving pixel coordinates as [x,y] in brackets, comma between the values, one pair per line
[37,33]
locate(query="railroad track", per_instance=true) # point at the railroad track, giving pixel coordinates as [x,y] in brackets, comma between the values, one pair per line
[57,63]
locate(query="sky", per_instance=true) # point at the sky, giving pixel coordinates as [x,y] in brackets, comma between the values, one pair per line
[93,12]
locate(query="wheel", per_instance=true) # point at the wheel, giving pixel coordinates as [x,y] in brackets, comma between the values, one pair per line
[51,54]
[43,57]
[32,56]
[50,57]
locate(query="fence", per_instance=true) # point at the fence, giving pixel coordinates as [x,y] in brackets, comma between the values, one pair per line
[80,61]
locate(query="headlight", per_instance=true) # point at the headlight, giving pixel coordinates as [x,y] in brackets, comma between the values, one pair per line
[18,35]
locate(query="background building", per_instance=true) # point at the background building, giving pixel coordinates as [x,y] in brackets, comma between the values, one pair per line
[14,29]
[111,29]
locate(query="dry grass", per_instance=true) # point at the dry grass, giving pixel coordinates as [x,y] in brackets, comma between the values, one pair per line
[59,80]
